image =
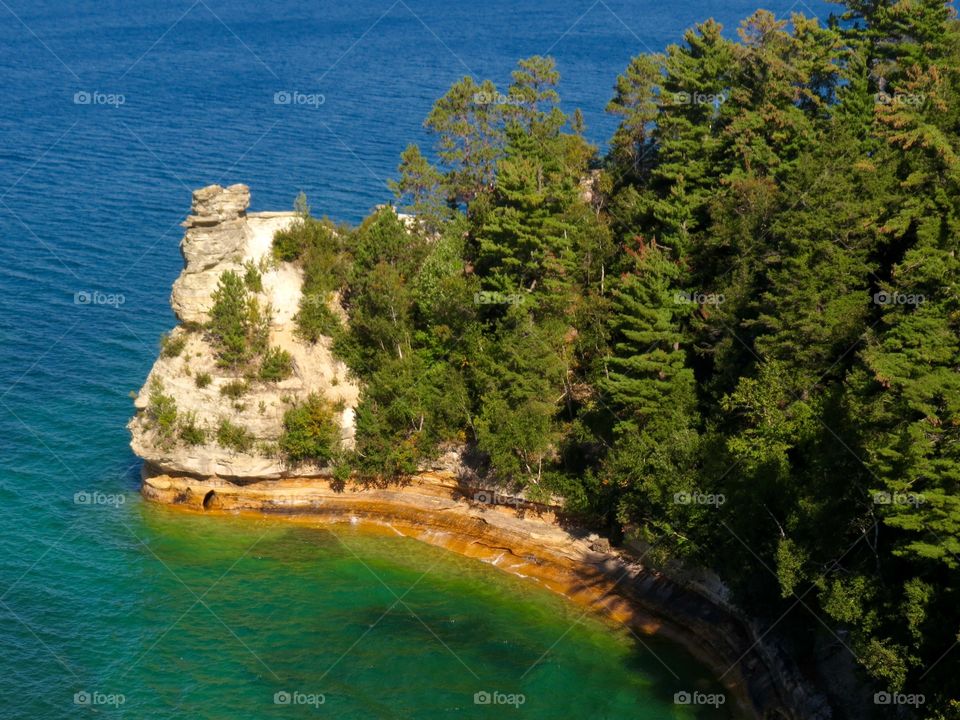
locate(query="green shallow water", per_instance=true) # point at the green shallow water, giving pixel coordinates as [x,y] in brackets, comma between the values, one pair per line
[211,617]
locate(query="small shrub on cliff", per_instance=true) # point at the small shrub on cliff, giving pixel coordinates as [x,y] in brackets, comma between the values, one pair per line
[326,261]
[234,436]
[191,431]
[252,277]
[258,326]
[239,326]
[309,239]
[201,380]
[342,472]
[162,412]
[171,347]
[277,364]
[228,319]
[288,243]
[315,319]
[235,389]
[267,449]
[311,431]
[319,246]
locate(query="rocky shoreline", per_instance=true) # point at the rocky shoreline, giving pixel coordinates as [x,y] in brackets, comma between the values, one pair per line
[445,506]
[527,540]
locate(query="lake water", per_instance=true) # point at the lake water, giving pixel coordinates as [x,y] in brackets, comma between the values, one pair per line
[112,112]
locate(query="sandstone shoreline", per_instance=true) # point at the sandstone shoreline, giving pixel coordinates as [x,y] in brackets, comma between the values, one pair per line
[530,541]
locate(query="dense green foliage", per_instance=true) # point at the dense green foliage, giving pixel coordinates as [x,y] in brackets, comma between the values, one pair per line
[311,432]
[735,337]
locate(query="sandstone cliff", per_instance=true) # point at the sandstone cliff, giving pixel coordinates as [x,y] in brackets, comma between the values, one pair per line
[221,235]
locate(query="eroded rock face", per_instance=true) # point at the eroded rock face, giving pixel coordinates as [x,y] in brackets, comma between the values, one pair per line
[220,236]
[215,241]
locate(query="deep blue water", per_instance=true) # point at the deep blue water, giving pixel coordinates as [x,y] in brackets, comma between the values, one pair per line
[90,200]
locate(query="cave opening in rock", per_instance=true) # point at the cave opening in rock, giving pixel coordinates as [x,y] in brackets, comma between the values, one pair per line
[208,499]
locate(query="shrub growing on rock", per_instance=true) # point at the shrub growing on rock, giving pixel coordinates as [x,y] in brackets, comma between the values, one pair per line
[234,436]
[311,431]
[162,412]
[239,325]
[201,380]
[235,389]
[191,431]
[315,318]
[315,241]
[277,364]
[258,326]
[252,277]
[170,346]
[323,251]
[229,319]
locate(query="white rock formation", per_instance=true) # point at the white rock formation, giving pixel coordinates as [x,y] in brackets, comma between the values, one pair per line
[221,235]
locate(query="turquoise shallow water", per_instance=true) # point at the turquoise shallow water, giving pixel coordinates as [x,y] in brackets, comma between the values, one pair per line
[96,597]
[212,617]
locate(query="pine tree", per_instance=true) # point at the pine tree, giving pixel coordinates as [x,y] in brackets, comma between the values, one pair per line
[636,102]
[468,124]
[693,96]
[647,376]
[420,191]
[650,392]
[909,382]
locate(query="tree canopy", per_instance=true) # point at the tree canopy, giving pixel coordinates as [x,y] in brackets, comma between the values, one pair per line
[734,337]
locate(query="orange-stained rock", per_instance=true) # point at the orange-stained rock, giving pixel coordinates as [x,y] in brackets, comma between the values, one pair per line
[530,541]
